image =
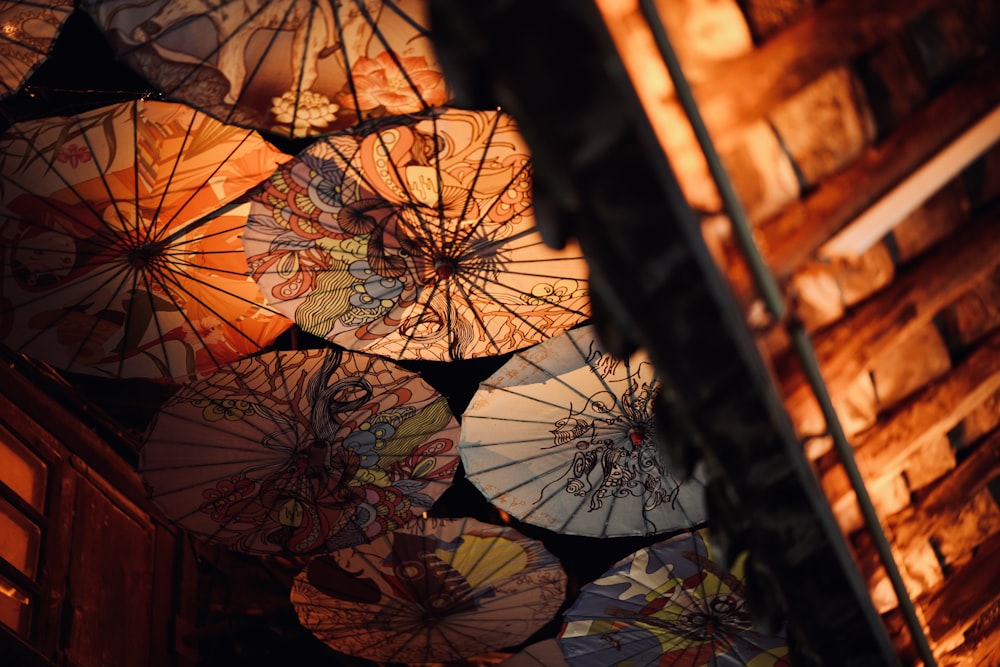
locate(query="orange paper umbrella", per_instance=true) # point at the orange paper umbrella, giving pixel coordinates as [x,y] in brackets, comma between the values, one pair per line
[29,31]
[121,241]
[296,67]
[415,239]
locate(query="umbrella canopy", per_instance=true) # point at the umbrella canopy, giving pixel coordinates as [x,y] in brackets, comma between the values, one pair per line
[295,67]
[415,239]
[562,436]
[546,653]
[433,591]
[121,241]
[668,604]
[29,31]
[300,452]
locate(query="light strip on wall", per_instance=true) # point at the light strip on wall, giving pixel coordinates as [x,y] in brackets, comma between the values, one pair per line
[879,219]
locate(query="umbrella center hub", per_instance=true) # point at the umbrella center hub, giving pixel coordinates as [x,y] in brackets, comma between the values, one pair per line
[444,267]
[143,255]
[637,434]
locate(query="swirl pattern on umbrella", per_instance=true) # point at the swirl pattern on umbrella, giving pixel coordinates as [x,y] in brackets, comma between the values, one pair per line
[435,590]
[561,436]
[121,230]
[295,67]
[29,31]
[415,239]
[668,604]
[300,452]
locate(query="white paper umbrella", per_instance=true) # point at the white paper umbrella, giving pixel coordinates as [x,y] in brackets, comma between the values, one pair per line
[562,437]
[432,591]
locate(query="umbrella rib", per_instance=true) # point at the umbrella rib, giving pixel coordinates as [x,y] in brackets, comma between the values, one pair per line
[479,320]
[142,235]
[746,638]
[238,201]
[246,391]
[22,45]
[184,23]
[148,232]
[522,460]
[339,26]
[456,652]
[114,272]
[597,374]
[438,183]
[111,233]
[297,77]
[222,290]
[252,73]
[471,229]
[126,330]
[112,197]
[485,279]
[508,272]
[425,224]
[104,232]
[161,279]
[173,279]
[702,559]
[367,182]
[640,640]
[426,307]
[95,321]
[479,170]
[451,333]
[147,281]
[556,378]
[187,465]
[392,53]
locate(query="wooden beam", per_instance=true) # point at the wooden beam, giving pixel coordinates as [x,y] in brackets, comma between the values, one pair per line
[824,39]
[965,595]
[971,476]
[911,302]
[930,414]
[792,237]
[933,412]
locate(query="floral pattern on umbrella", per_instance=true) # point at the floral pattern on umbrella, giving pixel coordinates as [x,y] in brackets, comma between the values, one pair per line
[415,239]
[668,604]
[435,590]
[121,241]
[300,452]
[295,67]
[29,31]
[561,436]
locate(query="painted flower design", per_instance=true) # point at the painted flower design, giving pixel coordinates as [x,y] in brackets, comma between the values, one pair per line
[225,495]
[303,112]
[74,154]
[228,409]
[373,292]
[406,87]
[554,292]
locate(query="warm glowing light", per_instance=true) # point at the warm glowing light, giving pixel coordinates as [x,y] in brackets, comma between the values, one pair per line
[879,219]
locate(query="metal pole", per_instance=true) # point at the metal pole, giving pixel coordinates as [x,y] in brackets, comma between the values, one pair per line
[771,294]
